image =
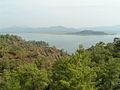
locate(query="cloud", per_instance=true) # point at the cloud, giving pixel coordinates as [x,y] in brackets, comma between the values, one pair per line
[64,3]
[51,3]
[60,12]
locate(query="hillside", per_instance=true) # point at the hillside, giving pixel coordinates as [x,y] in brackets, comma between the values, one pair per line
[34,65]
[14,47]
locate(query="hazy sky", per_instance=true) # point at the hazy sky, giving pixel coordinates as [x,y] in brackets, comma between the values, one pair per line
[70,13]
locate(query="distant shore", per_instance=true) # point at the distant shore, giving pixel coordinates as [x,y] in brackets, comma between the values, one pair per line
[55,33]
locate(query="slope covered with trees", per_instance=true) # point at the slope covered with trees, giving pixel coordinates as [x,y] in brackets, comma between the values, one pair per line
[32,65]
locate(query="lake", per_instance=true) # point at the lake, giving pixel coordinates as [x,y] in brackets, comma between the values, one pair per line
[67,42]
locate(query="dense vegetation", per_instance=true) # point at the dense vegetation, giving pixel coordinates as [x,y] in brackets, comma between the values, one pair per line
[29,65]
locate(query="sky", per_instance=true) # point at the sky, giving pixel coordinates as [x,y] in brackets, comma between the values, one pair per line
[69,13]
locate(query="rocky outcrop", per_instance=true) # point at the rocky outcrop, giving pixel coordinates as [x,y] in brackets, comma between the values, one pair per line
[13,47]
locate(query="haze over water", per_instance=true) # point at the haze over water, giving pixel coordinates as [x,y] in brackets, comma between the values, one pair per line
[67,42]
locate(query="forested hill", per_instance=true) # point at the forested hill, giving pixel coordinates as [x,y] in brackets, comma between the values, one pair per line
[33,65]
[14,47]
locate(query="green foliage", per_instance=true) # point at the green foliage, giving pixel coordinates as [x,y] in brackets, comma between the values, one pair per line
[73,73]
[100,53]
[25,77]
[6,64]
[109,75]
[117,48]
[31,78]
[8,82]
[31,65]
[39,43]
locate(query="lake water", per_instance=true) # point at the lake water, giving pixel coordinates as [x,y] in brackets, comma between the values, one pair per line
[67,42]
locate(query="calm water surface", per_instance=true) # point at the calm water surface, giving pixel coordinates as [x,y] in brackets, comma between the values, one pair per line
[67,42]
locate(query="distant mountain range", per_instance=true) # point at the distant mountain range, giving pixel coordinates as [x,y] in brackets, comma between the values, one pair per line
[57,29]
[40,29]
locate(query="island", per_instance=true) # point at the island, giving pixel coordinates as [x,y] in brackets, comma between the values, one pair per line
[89,32]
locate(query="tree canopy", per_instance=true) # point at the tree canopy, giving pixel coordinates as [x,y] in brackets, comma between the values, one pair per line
[34,65]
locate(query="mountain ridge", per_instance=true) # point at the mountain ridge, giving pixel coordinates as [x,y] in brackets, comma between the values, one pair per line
[111,29]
